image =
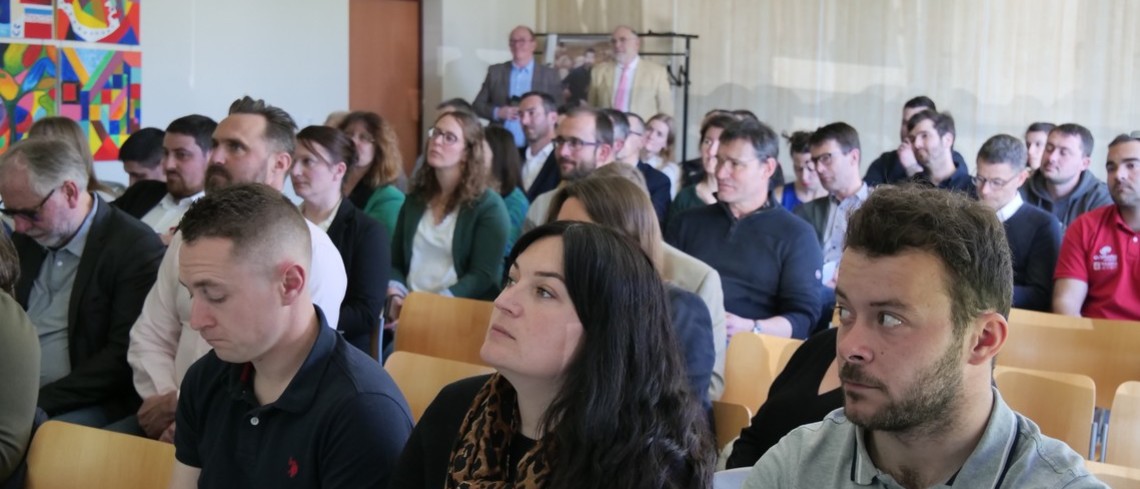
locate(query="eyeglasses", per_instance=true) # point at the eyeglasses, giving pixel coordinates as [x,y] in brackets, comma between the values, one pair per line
[996,183]
[575,144]
[823,159]
[32,214]
[635,133]
[447,137]
[362,137]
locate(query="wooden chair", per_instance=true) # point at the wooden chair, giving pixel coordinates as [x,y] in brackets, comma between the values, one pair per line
[780,350]
[1115,476]
[747,371]
[730,419]
[444,327]
[421,377]
[1123,446]
[1026,317]
[65,456]
[1061,404]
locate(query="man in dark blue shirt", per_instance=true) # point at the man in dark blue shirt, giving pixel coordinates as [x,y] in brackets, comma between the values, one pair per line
[282,400]
[932,137]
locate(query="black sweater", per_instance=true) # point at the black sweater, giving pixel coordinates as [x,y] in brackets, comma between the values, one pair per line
[1034,241]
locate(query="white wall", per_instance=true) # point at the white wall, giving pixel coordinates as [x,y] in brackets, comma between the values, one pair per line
[200,55]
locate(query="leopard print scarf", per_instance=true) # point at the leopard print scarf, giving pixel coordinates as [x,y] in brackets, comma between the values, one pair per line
[480,459]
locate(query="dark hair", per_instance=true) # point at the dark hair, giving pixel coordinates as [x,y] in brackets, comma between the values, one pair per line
[943,122]
[798,142]
[456,104]
[505,165]
[619,122]
[1074,129]
[721,122]
[473,174]
[964,234]
[764,140]
[143,147]
[228,211]
[387,163]
[339,147]
[630,116]
[840,132]
[199,127]
[603,125]
[9,265]
[548,103]
[920,101]
[279,125]
[1123,138]
[1044,127]
[624,416]
[1003,148]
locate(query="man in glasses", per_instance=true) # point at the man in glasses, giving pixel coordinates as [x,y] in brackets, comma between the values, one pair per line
[506,83]
[85,269]
[584,142]
[1034,235]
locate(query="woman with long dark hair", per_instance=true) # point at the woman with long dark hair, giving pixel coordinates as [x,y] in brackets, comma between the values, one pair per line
[505,178]
[590,389]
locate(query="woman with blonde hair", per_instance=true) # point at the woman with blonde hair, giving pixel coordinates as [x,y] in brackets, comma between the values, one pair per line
[375,184]
[658,150]
[68,131]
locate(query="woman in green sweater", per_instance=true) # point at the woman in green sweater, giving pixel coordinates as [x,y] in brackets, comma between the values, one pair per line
[451,231]
[374,184]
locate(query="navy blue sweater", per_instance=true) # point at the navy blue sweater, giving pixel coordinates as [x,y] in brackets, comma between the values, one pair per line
[769,261]
[1034,241]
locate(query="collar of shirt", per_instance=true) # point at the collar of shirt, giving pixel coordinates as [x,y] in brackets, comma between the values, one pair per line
[632,64]
[169,202]
[325,224]
[1011,208]
[79,241]
[298,396]
[542,154]
[524,69]
[855,199]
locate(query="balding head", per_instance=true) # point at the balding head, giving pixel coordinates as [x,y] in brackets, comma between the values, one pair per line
[626,44]
[522,45]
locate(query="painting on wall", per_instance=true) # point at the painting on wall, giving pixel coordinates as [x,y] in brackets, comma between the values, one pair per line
[27,87]
[101,21]
[101,89]
[28,19]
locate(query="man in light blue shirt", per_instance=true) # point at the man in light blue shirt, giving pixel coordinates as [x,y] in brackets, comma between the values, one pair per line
[506,83]
[922,298]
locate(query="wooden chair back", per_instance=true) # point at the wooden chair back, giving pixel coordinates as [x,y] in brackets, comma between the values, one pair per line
[780,350]
[444,327]
[1124,427]
[747,371]
[1115,476]
[730,419]
[1061,404]
[421,377]
[65,456]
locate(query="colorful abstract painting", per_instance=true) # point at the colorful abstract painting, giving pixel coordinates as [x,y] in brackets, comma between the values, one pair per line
[103,21]
[27,86]
[101,89]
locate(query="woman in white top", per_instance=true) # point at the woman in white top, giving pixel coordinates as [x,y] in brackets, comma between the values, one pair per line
[658,150]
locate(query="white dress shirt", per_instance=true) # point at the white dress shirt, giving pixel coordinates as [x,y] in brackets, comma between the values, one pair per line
[533,164]
[1011,208]
[433,267]
[168,212]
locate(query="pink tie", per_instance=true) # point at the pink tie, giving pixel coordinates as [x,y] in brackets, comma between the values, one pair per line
[621,96]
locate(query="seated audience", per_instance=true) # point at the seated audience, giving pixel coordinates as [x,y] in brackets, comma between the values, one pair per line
[703,192]
[68,131]
[185,151]
[693,171]
[538,113]
[899,165]
[1034,235]
[502,159]
[282,400]
[376,183]
[619,204]
[806,186]
[446,107]
[253,144]
[321,159]
[659,150]
[629,137]
[141,154]
[452,229]
[1063,186]
[590,389]
[932,136]
[771,279]
[1097,273]
[85,268]
[20,363]
[922,301]
[584,143]
[1036,137]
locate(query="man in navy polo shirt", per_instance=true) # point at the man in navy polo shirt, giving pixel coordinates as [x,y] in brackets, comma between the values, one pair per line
[932,136]
[282,400]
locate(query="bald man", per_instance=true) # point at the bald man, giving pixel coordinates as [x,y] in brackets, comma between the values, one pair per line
[507,82]
[629,83]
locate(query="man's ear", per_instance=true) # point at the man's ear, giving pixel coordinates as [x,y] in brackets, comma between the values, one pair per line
[986,338]
[294,279]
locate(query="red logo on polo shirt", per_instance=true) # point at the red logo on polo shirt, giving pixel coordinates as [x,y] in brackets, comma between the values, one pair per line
[1105,260]
[292,468]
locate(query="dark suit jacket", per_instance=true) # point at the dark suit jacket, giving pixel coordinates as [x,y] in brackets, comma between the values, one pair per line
[548,177]
[693,327]
[366,250]
[660,192]
[119,265]
[140,198]
[496,91]
[815,213]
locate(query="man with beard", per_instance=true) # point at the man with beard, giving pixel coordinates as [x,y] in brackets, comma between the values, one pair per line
[932,137]
[1063,185]
[538,113]
[1097,274]
[253,144]
[922,300]
[584,143]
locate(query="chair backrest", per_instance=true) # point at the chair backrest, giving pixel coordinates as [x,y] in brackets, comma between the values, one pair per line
[730,419]
[780,350]
[1036,318]
[65,455]
[747,371]
[444,327]
[1115,476]
[1124,427]
[421,377]
[1061,404]
[731,478]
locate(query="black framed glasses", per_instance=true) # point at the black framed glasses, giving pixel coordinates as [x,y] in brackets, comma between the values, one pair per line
[996,183]
[32,214]
[573,143]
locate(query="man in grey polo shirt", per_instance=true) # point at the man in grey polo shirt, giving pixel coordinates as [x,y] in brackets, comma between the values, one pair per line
[922,299]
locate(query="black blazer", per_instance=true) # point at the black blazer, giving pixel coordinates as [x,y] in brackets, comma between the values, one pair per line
[140,198]
[118,267]
[365,247]
[815,213]
[660,192]
[548,177]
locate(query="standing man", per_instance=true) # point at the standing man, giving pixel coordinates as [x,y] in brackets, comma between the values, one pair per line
[507,82]
[629,83]
[922,300]
[538,113]
[1063,185]
[932,136]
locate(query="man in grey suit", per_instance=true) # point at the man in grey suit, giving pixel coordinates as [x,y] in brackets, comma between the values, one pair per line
[506,83]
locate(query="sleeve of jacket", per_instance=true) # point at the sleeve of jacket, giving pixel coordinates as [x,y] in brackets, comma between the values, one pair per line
[489,237]
[551,84]
[1037,293]
[106,373]
[799,283]
[693,327]
[594,96]
[20,362]
[401,246]
[482,102]
[367,278]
